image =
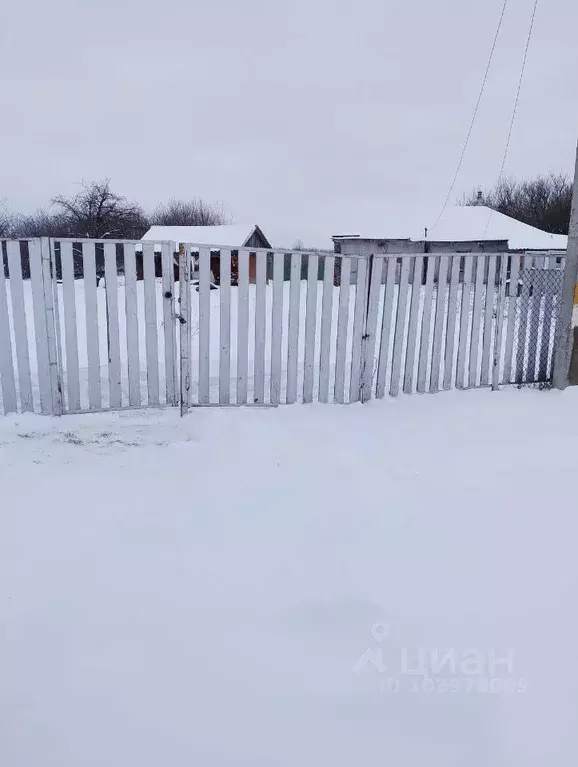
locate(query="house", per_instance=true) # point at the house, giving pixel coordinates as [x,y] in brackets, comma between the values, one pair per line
[462,229]
[232,236]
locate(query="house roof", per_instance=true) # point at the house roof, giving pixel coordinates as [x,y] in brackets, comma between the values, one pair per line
[465,224]
[227,235]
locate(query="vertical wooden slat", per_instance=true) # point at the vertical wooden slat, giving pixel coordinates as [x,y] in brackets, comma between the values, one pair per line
[260,326]
[52,325]
[368,345]
[7,378]
[464,323]
[151,333]
[242,326]
[451,323]
[168,287]
[71,334]
[408,380]
[293,330]
[57,362]
[512,309]
[225,327]
[91,309]
[438,336]
[546,339]
[20,327]
[342,323]
[131,309]
[310,327]
[40,333]
[114,375]
[422,383]
[277,327]
[204,325]
[500,322]
[480,264]
[399,337]
[522,329]
[185,334]
[488,320]
[359,312]
[326,324]
[386,326]
[534,316]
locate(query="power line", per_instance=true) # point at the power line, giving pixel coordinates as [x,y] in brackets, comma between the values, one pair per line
[474,116]
[516,102]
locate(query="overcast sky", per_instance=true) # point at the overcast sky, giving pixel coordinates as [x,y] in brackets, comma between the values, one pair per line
[308,116]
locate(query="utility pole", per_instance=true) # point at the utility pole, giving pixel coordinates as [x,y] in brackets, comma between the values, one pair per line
[563,339]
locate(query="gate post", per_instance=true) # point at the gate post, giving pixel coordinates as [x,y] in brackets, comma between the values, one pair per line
[185,330]
[563,336]
[53,345]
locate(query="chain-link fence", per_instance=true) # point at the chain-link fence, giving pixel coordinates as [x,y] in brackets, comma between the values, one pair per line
[537,307]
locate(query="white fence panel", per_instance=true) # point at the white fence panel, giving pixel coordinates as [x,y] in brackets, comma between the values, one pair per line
[293,330]
[480,266]
[204,325]
[358,329]
[40,330]
[7,378]
[310,326]
[368,346]
[260,327]
[151,333]
[114,372]
[386,326]
[462,375]
[225,328]
[132,334]
[326,325]
[451,323]
[426,340]
[488,335]
[92,324]
[400,327]
[20,326]
[242,327]
[342,324]
[268,326]
[277,328]
[416,281]
[185,327]
[169,326]
[70,325]
[440,313]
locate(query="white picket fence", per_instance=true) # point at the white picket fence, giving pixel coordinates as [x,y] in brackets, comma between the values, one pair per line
[95,325]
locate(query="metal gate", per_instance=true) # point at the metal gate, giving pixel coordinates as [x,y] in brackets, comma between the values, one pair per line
[89,325]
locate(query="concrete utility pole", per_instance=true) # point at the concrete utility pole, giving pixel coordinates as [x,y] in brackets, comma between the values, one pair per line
[563,340]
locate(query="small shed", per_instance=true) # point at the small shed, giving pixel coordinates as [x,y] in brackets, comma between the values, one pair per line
[232,236]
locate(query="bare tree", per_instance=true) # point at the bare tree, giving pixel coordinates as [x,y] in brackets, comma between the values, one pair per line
[41,224]
[195,212]
[99,213]
[6,221]
[544,202]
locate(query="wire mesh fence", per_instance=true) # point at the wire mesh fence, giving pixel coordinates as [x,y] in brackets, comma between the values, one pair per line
[537,308]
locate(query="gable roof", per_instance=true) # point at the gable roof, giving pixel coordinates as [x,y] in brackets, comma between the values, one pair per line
[466,224]
[228,235]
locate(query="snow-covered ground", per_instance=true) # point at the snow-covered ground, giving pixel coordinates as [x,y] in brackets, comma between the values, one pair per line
[204,591]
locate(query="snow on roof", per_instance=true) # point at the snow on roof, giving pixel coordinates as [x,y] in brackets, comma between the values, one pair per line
[228,235]
[465,224]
